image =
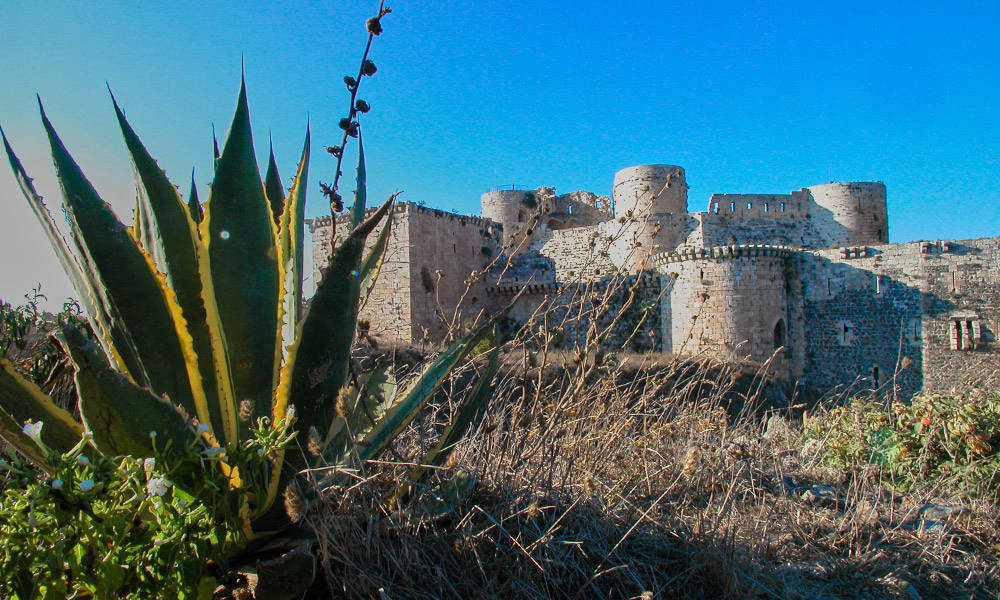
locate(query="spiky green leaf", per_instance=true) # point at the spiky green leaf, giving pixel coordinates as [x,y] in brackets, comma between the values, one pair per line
[22,401]
[124,418]
[291,240]
[172,240]
[194,206]
[243,267]
[272,188]
[372,264]
[471,405]
[409,403]
[125,277]
[317,363]
[361,191]
[114,338]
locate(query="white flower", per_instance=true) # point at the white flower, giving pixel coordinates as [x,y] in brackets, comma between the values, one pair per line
[202,428]
[152,434]
[149,463]
[82,460]
[33,430]
[86,485]
[57,484]
[158,486]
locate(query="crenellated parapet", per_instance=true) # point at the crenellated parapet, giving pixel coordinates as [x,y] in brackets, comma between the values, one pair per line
[722,252]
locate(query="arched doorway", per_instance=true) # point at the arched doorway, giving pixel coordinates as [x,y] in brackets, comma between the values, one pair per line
[779,334]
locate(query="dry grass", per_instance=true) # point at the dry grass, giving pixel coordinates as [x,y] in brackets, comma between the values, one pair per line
[614,475]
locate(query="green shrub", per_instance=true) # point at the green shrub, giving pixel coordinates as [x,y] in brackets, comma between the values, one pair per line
[948,439]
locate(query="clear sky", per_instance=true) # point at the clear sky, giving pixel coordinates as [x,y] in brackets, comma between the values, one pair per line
[749,97]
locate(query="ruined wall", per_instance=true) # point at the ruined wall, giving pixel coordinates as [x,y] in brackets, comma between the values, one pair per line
[930,305]
[429,257]
[632,301]
[579,254]
[849,214]
[576,209]
[730,302]
[445,249]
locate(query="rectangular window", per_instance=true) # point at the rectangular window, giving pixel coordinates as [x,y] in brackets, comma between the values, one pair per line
[749,205]
[766,207]
[732,207]
[781,207]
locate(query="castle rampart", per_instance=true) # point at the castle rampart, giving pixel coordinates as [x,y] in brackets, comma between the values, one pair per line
[805,282]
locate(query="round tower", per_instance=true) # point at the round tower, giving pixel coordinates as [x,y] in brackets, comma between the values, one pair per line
[850,214]
[514,210]
[650,201]
[730,302]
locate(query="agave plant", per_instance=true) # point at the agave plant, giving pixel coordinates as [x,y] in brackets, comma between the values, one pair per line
[199,320]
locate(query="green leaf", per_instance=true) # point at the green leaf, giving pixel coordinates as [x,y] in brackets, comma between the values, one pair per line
[409,404]
[471,406]
[125,276]
[372,264]
[114,338]
[243,264]
[118,413]
[194,206]
[291,241]
[272,189]
[317,363]
[173,243]
[22,401]
[365,404]
[361,191]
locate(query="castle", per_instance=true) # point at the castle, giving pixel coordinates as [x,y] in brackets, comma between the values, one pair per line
[805,280]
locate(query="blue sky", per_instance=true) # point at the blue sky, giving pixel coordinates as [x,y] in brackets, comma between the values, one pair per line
[752,97]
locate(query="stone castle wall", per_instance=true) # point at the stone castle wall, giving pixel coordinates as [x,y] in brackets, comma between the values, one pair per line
[804,280]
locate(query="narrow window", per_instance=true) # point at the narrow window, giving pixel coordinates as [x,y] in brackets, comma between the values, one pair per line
[732,207]
[767,207]
[779,334]
[701,274]
[570,209]
[781,206]
[454,248]
[875,378]
[749,205]
[520,216]
[878,284]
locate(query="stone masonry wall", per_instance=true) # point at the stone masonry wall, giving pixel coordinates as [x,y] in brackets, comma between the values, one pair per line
[870,310]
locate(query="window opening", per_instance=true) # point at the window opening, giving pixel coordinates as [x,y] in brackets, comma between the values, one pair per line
[732,207]
[749,205]
[570,209]
[781,206]
[767,207]
[875,377]
[779,334]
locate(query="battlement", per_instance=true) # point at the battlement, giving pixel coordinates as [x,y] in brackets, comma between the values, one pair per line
[722,253]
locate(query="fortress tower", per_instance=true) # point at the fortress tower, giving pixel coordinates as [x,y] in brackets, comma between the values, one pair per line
[651,202]
[850,214]
[514,211]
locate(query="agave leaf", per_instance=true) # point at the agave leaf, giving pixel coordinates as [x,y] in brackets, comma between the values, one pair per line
[272,188]
[372,264]
[409,403]
[243,267]
[194,206]
[361,191]
[172,241]
[317,362]
[459,425]
[291,248]
[23,401]
[118,413]
[114,339]
[365,405]
[124,274]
